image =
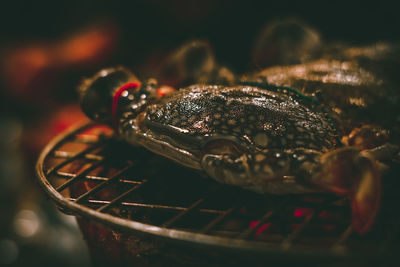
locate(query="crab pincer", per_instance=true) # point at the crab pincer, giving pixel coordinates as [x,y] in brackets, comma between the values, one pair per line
[350,172]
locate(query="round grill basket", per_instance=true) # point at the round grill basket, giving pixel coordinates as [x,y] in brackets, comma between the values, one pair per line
[135,206]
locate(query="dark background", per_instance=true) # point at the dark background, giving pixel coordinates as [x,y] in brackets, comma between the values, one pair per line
[147,29]
[151,28]
[231,26]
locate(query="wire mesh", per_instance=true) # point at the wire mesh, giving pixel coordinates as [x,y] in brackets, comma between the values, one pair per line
[89,173]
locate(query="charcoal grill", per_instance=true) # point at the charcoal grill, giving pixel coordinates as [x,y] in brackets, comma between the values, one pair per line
[134,206]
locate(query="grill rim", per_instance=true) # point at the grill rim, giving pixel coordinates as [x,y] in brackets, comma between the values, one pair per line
[187,237]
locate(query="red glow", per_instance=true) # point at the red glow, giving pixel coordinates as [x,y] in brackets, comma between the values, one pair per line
[38,65]
[261,228]
[301,212]
[254,224]
[88,46]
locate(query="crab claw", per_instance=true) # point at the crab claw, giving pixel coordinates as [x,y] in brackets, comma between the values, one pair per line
[97,93]
[350,172]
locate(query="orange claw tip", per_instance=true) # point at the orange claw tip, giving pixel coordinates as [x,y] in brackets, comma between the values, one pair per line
[164,90]
[366,200]
[347,172]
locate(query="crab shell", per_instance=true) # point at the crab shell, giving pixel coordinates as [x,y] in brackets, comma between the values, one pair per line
[276,130]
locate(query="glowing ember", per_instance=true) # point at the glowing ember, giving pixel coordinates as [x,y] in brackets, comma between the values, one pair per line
[261,228]
[301,212]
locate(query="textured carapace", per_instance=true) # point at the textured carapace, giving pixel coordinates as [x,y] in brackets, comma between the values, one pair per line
[255,117]
[254,134]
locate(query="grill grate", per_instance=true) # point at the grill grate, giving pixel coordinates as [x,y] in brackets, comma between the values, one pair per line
[89,173]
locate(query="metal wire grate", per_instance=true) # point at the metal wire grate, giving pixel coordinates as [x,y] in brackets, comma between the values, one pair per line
[89,173]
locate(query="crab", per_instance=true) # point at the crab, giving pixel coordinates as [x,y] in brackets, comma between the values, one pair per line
[305,133]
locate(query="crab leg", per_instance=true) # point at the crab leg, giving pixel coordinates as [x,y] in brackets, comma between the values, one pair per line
[263,171]
[383,152]
[350,172]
